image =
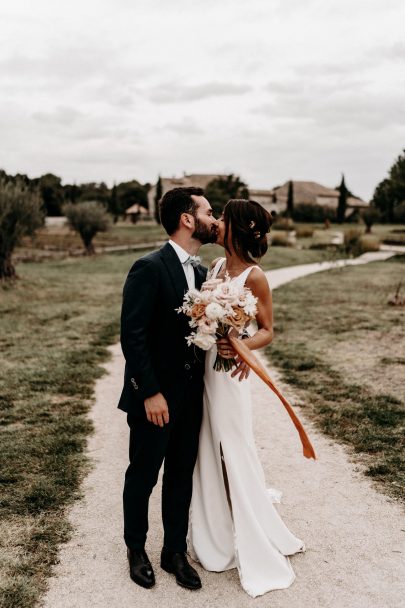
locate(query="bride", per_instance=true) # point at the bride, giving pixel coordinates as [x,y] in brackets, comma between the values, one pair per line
[233,522]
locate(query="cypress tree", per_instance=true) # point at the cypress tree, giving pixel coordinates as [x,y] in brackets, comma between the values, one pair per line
[290,199]
[158,196]
[341,208]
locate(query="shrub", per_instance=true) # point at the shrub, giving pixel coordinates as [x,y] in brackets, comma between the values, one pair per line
[280,240]
[368,243]
[303,232]
[87,219]
[311,212]
[283,223]
[351,241]
[21,214]
[356,243]
[370,216]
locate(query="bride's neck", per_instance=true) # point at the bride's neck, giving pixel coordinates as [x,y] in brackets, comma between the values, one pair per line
[233,262]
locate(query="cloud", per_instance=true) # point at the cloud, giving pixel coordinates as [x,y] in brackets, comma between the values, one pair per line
[176,93]
[62,115]
[185,127]
[354,110]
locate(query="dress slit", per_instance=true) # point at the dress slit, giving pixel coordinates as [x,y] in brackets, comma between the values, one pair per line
[225,478]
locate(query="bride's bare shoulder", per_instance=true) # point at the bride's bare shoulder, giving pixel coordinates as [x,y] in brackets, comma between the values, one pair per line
[257,280]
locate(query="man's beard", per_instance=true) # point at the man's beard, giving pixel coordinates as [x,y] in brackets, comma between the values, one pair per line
[204,234]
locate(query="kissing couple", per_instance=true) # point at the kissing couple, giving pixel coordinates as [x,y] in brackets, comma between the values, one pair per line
[194,419]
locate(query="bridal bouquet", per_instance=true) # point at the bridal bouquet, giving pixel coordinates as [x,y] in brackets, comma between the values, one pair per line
[214,311]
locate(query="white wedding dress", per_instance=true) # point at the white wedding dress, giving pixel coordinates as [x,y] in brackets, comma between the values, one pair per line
[233,522]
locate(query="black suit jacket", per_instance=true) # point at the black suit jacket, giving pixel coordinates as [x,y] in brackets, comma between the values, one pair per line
[153,333]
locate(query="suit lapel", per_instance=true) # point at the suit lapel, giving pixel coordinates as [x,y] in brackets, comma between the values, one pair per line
[200,274]
[175,270]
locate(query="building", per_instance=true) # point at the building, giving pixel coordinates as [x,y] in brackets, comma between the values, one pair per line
[200,180]
[135,212]
[274,200]
[314,194]
[264,198]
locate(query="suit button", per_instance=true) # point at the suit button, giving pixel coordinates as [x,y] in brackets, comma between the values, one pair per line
[134,384]
[187,366]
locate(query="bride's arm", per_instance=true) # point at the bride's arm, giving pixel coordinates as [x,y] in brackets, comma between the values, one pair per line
[259,286]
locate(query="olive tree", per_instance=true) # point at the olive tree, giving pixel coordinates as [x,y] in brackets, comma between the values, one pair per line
[21,214]
[87,219]
[370,216]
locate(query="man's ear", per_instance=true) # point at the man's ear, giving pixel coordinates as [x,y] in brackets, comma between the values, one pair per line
[186,219]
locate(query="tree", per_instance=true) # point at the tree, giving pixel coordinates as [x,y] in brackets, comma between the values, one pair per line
[158,196]
[52,193]
[343,196]
[221,189]
[71,193]
[383,200]
[87,218]
[390,192]
[113,206]
[313,212]
[370,216]
[399,213]
[94,191]
[290,200]
[21,214]
[130,193]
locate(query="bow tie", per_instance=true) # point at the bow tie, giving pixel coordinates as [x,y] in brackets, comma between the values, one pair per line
[194,260]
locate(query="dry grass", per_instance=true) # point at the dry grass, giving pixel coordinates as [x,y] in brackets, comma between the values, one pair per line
[55,324]
[342,346]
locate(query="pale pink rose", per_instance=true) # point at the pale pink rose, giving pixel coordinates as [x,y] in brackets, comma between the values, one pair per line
[204,341]
[211,284]
[207,327]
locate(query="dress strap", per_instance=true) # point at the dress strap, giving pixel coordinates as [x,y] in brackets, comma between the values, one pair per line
[241,278]
[218,267]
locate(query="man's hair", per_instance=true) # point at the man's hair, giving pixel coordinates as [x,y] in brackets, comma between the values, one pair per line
[174,203]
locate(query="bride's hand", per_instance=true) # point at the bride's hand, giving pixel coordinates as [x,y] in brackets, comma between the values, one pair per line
[225,350]
[242,369]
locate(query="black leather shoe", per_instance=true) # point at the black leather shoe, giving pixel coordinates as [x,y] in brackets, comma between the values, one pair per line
[177,564]
[140,568]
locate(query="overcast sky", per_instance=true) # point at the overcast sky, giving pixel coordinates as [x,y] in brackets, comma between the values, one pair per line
[111,90]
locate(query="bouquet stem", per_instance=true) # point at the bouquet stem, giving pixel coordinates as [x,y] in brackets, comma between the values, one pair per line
[221,364]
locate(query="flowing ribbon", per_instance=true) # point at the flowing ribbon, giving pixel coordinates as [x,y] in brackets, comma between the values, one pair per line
[249,358]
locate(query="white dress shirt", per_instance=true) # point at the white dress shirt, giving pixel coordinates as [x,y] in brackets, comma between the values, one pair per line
[188,268]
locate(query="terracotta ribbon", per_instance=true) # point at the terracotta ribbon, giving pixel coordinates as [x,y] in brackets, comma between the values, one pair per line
[248,357]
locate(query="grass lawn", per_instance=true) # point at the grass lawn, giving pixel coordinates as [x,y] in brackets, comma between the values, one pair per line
[277,257]
[62,239]
[55,324]
[342,347]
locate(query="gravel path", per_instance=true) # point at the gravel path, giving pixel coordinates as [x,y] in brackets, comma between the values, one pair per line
[354,535]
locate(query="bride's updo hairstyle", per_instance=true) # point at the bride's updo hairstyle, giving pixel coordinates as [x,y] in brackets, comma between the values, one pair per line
[247,223]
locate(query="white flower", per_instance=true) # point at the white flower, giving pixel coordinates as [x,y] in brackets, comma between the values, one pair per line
[204,341]
[207,327]
[214,311]
[249,305]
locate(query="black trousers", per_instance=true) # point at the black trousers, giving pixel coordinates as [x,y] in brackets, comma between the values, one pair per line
[149,445]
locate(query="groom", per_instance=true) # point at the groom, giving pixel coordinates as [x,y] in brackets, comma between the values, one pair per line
[163,385]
